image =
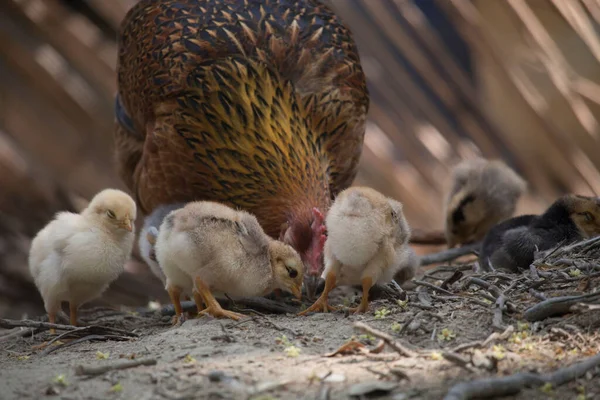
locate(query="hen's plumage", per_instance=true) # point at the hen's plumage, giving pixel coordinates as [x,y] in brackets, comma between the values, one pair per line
[258,104]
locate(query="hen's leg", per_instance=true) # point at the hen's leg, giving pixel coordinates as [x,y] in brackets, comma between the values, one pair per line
[367,282]
[175,294]
[212,305]
[321,303]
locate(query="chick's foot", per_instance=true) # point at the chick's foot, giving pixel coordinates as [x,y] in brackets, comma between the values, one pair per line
[219,312]
[367,282]
[321,305]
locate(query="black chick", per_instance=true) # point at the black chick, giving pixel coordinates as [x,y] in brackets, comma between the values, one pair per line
[511,244]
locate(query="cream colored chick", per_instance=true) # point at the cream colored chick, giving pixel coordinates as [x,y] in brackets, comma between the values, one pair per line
[223,250]
[76,256]
[367,243]
[483,194]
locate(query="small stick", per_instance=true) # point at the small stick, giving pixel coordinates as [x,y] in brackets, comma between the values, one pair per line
[493,289]
[458,360]
[557,306]
[99,370]
[450,254]
[513,384]
[389,340]
[87,338]
[13,323]
[450,280]
[498,310]
[255,303]
[493,337]
[447,268]
[432,286]
[15,334]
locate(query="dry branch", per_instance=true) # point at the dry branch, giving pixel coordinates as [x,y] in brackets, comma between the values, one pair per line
[510,385]
[558,306]
[450,254]
[99,370]
[427,238]
[255,303]
[498,311]
[11,323]
[389,340]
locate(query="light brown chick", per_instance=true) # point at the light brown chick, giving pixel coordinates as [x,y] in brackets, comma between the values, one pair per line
[483,193]
[223,250]
[76,256]
[367,243]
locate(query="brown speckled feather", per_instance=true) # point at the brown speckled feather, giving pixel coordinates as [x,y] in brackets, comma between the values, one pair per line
[259,104]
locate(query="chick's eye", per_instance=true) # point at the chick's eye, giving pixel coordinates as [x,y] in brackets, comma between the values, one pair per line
[111,214]
[588,216]
[292,272]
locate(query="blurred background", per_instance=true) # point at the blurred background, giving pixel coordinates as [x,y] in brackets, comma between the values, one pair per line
[449,79]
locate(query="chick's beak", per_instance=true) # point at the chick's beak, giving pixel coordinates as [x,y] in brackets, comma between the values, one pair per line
[297,292]
[127,225]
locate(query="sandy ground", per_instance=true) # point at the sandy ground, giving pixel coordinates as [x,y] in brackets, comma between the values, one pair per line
[205,358]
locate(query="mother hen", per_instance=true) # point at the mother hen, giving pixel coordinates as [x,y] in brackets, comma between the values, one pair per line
[258,104]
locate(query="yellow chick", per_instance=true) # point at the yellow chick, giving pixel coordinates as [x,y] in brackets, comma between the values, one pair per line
[367,243]
[483,193]
[224,251]
[76,256]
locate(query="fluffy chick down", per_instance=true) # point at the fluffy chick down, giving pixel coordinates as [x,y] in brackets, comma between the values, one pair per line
[483,193]
[367,244]
[76,256]
[223,250]
[149,235]
[511,245]
[368,235]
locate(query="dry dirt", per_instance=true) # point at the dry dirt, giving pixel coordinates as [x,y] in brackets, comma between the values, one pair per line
[205,358]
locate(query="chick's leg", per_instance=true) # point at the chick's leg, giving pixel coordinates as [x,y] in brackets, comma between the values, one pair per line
[175,295]
[212,305]
[367,282]
[52,320]
[321,303]
[198,300]
[73,313]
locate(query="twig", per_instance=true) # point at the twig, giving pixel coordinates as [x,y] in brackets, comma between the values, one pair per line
[87,338]
[432,286]
[558,306]
[450,254]
[510,385]
[12,323]
[258,303]
[582,307]
[99,370]
[498,310]
[389,340]
[493,337]
[450,280]
[447,268]
[458,360]
[419,236]
[15,334]
[537,295]
[493,289]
